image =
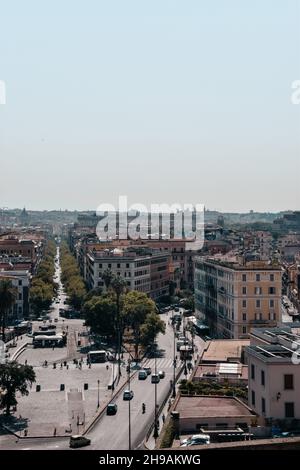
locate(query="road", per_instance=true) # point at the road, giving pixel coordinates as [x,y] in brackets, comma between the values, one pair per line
[112,432]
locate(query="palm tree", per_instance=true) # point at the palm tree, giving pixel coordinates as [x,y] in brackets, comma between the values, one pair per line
[107,277]
[118,284]
[7,300]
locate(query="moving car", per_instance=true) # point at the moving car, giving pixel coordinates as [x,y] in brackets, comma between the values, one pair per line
[142,374]
[155,378]
[195,440]
[128,395]
[148,370]
[79,441]
[55,320]
[161,374]
[111,409]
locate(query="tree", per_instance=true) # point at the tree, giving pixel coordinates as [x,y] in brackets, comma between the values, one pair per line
[150,329]
[100,315]
[107,277]
[7,299]
[14,377]
[41,295]
[137,306]
[118,284]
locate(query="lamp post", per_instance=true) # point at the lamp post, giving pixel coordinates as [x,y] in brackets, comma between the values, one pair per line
[98,403]
[155,433]
[129,409]
[174,362]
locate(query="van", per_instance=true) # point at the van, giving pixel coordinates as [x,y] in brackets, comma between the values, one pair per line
[155,378]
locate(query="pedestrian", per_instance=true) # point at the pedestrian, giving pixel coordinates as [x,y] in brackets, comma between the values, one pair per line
[25,362]
[163,418]
[25,433]
[54,433]
[67,366]
[107,366]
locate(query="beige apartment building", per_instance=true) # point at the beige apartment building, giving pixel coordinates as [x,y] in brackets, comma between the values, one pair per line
[232,296]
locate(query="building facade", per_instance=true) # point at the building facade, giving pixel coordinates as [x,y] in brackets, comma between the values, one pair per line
[232,297]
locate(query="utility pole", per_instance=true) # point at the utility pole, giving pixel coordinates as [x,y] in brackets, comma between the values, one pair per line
[174,358]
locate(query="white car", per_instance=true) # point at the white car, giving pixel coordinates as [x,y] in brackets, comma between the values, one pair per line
[195,440]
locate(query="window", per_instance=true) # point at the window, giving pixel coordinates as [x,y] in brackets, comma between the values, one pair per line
[118,265]
[272,290]
[258,290]
[272,277]
[20,282]
[257,304]
[252,371]
[272,303]
[253,397]
[244,290]
[257,277]
[289,410]
[288,382]
[244,303]
[244,316]
[262,377]
[244,330]
[244,277]
[272,316]
[109,265]
[100,265]
[263,405]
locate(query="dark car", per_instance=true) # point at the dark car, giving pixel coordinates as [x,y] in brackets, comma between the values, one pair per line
[79,441]
[111,409]
[127,395]
[148,370]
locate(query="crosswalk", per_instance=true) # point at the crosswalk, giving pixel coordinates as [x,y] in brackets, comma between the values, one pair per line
[161,363]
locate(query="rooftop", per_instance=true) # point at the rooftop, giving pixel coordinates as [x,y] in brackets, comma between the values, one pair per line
[221,370]
[224,350]
[211,407]
[272,353]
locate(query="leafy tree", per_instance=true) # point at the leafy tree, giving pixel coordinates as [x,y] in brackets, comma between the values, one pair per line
[93,293]
[41,295]
[7,299]
[137,306]
[14,377]
[151,328]
[100,315]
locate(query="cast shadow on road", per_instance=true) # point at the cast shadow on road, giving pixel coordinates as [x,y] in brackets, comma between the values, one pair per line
[12,423]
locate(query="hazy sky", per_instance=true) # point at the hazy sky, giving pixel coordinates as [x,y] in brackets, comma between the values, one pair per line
[160,100]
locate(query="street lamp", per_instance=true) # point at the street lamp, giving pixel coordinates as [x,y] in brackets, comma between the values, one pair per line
[174,362]
[129,409]
[155,433]
[98,382]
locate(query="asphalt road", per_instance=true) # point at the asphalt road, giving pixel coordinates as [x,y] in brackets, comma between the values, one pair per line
[112,432]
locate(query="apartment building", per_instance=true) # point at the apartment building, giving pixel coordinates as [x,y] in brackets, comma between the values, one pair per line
[143,270]
[232,296]
[20,281]
[274,382]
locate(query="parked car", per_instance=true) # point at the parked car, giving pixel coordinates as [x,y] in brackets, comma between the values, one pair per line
[196,440]
[111,409]
[155,378]
[148,370]
[128,395]
[142,374]
[79,441]
[56,320]
[161,374]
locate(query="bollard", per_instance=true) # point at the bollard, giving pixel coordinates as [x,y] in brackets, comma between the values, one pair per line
[38,388]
